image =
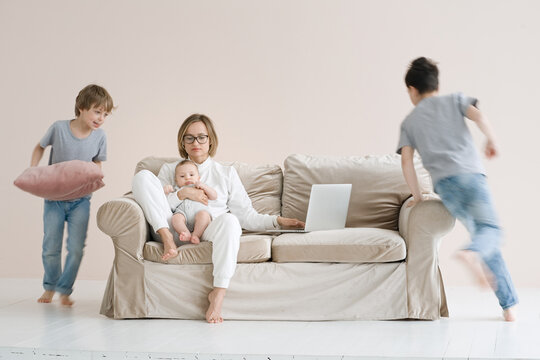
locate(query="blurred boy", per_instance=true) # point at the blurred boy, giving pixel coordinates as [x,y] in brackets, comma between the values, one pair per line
[436,129]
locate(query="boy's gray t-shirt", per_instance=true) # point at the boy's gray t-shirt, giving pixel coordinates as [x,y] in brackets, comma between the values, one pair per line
[436,129]
[65,146]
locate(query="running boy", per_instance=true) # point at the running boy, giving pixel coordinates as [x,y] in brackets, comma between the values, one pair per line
[190,218]
[436,129]
[77,139]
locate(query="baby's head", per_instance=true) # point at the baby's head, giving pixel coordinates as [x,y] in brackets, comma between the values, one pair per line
[186,173]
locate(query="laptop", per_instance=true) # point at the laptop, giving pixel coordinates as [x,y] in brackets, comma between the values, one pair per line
[327,209]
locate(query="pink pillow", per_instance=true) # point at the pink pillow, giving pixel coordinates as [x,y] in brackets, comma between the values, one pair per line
[67,180]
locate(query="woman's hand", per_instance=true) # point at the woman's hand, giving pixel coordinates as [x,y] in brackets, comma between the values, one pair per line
[193,194]
[288,223]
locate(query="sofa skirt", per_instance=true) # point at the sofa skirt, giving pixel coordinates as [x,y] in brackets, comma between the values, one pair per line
[265,291]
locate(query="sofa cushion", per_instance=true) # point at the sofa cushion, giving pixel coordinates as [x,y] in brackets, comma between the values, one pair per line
[349,245]
[253,249]
[378,186]
[263,183]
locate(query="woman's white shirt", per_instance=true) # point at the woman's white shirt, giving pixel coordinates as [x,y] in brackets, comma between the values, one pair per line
[232,196]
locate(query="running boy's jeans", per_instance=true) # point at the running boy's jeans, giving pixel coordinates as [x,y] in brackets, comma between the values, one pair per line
[467,197]
[76,213]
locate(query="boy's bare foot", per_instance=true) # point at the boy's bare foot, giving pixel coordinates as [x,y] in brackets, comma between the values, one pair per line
[65,300]
[184,236]
[195,239]
[213,314]
[46,297]
[510,314]
[483,276]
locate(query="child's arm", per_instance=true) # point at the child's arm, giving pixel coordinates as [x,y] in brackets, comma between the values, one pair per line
[37,154]
[211,193]
[409,172]
[483,124]
[98,163]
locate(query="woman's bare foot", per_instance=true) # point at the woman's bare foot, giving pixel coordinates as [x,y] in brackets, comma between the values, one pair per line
[46,298]
[65,300]
[169,247]
[216,296]
[483,276]
[510,314]
[195,239]
[184,236]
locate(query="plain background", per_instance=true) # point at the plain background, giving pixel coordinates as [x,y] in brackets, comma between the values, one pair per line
[277,77]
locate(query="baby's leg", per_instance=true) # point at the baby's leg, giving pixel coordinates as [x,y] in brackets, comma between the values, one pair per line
[179,225]
[46,297]
[202,220]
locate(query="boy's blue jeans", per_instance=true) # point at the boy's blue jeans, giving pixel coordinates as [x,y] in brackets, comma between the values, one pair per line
[76,213]
[467,197]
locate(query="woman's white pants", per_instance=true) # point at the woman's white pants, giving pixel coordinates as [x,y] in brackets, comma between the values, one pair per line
[224,231]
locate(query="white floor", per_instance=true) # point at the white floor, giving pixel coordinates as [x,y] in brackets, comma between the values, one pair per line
[29,330]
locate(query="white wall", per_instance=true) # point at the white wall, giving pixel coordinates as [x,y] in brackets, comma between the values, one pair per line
[277,77]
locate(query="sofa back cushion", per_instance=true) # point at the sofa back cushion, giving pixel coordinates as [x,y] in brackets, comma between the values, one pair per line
[263,183]
[378,186]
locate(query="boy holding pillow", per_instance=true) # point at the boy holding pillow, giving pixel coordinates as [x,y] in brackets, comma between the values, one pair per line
[77,139]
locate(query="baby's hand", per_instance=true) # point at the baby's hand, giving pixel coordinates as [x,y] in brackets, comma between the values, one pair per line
[168,189]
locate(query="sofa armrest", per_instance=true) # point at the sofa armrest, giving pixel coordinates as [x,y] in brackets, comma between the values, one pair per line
[422,226]
[123,220]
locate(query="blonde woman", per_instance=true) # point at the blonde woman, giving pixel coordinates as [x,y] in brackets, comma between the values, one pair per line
[231,211]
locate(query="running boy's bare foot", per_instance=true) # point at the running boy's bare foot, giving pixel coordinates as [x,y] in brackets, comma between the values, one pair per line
[184,236]
[482,275]
[46,297]
[510,314]
[213,314]
[195,239]
[169,247]
[65,300]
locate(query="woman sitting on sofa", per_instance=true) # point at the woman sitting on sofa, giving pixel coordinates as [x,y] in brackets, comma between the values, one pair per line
[232,211]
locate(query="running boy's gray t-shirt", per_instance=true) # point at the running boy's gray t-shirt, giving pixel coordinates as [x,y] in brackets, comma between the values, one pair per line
[65,146]
[436,129]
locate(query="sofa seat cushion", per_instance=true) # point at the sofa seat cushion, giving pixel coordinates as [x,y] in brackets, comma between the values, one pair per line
[349,245]
[253,249]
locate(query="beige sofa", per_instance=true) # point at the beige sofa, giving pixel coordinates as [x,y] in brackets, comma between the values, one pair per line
[383,265]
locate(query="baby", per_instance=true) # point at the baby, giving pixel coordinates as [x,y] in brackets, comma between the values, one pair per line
[190,218]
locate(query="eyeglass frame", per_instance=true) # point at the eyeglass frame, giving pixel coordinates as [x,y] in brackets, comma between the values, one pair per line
[206,137]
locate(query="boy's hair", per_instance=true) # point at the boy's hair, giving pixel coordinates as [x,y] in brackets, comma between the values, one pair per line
[93,95]
[423,75]
[184,162]
[212,135]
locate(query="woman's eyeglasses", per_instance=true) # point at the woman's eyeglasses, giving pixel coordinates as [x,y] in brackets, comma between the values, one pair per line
[201,139]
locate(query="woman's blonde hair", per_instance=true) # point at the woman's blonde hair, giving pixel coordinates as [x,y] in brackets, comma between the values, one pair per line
[212,135]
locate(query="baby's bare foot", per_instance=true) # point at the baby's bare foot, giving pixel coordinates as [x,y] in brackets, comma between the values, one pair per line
[65,300]
[195,239]
[184,236]
[46,297]
[510,314]
[483,276]
[213,314]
